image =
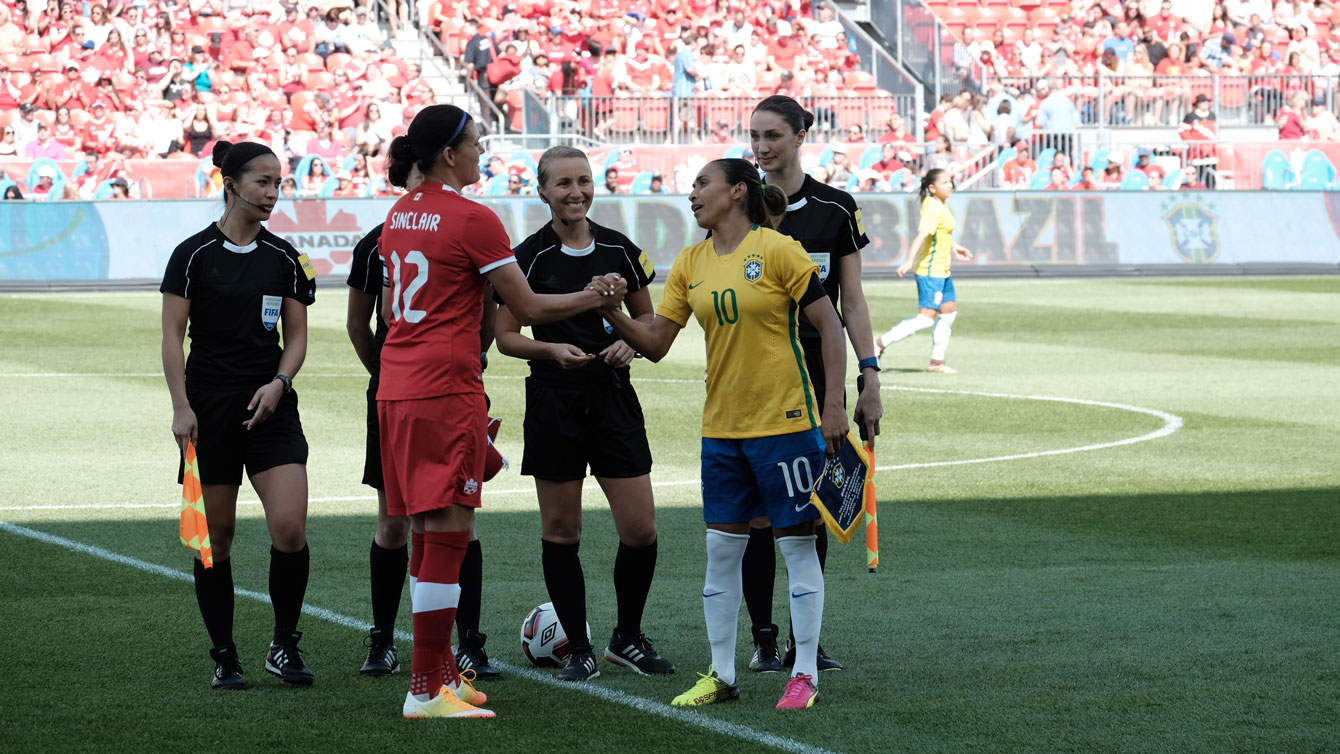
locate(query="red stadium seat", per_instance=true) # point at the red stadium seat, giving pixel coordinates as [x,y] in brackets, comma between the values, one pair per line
[1015,19]
[1044,15]
[954,16]
[337,60]
[989,18]
[320,81]
[879,110]
[312,61]
[859,81]
[851,113]
[727,110]
[47,63]
[624,118]
[79,118]
[182,156]
[656,117]
[36,44]
[454,42]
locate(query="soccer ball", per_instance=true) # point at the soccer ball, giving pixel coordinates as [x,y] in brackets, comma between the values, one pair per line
[543,639]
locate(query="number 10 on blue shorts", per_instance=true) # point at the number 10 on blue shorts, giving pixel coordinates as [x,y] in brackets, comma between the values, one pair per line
[761,476]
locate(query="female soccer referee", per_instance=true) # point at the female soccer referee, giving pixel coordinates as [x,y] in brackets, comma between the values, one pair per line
[237,286]
[440,248]
[762,440]
[389,556]
[827,222]
[581,410]
[930,253]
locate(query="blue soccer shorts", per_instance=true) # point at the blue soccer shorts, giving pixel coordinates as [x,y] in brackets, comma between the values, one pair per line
[772,476]
[932,292]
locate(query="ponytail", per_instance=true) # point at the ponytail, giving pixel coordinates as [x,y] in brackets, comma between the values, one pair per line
[774,205]
[929,178]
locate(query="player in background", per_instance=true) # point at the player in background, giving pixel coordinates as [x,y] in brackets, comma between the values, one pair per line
[827,222]
[440,249]
[581,410]
[389,555]
[238,286]
[763,439]
[930,252]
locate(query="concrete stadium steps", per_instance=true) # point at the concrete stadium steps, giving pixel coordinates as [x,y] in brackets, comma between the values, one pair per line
[411,47]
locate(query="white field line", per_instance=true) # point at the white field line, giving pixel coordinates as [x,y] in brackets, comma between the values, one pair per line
[696,719]
[1171,423]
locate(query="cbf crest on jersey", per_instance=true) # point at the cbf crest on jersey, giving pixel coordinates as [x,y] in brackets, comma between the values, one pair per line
[1194,231]
[753,267]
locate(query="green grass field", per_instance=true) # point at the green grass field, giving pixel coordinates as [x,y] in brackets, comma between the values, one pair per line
[1175,594]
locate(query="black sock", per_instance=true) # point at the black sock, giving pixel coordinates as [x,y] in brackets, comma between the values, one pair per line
[821,544]
[634,568]
[759,571]
[567,590]
[472,592]
[214,595]
[388,582]
[288,585]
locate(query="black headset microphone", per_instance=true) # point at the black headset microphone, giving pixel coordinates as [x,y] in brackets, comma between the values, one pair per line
[241,198]
[560,217]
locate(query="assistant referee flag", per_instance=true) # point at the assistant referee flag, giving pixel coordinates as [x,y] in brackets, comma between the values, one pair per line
[194,530]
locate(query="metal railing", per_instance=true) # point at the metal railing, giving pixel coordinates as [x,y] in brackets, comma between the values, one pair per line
[1163,101]
[925,46]
[693,120]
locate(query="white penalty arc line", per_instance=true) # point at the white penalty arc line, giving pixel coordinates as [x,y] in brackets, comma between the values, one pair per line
[1171,423]
[696,719]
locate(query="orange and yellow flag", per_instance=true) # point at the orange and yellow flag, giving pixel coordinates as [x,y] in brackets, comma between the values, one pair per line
[871,517]
[194,531]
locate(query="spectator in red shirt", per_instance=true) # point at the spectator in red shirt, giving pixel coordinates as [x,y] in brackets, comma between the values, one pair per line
[46,179]
[1062,162]
[416,91]
[1018,171]
[1290,117]
[345,189]
[855,134]
[1164,24]
[889,161]
[317,173]
[1112,174]
[1058,182]
[324,145]
[97,134]
[295,31]
[1086,182]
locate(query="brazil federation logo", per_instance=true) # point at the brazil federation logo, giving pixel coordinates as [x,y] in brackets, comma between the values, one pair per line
[326,240]
[838,475]
[1194,231]
[753,267]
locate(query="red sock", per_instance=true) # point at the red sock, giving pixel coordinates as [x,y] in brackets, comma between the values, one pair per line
[435,599]
[415,555]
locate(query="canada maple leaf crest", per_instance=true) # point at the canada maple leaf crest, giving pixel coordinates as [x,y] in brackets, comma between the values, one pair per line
[328,241]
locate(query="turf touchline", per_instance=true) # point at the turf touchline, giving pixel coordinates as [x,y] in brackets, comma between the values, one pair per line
[1171,423]
[697,719]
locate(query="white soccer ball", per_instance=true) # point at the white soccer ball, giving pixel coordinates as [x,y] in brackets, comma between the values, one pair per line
[543,639]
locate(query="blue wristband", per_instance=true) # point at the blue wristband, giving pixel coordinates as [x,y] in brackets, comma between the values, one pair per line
[870,363]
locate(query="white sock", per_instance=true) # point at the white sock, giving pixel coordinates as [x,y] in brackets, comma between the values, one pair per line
[806,581]
[906,328]
[940,335]
[722,594]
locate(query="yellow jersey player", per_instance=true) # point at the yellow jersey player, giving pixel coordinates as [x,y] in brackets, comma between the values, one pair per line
[930,252]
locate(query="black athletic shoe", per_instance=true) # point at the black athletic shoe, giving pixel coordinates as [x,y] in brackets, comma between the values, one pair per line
[824,662]
[285,660]
[638,655]
[581,667]
[227,669]
[765,659]
[382,657]
[471,656]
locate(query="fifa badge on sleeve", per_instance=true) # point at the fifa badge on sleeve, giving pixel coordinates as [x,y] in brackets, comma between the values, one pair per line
[839,494]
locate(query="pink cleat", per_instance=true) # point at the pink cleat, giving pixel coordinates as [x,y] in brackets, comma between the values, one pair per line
[801,693]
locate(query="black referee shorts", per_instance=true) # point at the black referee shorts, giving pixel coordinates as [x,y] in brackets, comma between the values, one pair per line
[224,447]
[569,427]
[372,460]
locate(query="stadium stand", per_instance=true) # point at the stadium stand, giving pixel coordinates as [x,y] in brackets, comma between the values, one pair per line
[99,92]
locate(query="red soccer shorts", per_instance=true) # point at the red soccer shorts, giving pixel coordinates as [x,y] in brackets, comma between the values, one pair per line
[432,452]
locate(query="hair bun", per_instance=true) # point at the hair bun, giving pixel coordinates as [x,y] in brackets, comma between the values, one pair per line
[809,119]
[221,149]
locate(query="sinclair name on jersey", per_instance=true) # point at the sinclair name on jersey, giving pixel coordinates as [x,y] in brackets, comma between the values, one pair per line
[415,221]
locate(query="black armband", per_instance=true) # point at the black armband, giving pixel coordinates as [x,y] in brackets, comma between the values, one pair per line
[814,292]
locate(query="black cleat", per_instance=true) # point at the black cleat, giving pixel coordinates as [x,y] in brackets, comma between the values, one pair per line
[471,656]
[824,662]
[285,660]
[765,659]
[227,669]
[382,657]
[638,655]
[581,666]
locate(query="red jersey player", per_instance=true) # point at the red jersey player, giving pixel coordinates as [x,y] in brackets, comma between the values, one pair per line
[440,250]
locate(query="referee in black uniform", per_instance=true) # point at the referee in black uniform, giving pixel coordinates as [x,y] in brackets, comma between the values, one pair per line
[581,410]
[238,286]
[390,554]
[827,222]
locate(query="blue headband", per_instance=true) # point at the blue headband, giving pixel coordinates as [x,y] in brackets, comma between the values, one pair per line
[465,117]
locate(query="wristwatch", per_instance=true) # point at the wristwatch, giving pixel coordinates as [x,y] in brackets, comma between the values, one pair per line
[870,363]
[286,380]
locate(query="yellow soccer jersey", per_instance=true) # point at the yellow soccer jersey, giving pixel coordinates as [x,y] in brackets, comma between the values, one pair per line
[747,303]
[936,220]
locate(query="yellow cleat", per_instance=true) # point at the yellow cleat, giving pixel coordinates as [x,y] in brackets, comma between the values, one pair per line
[468,693]
[445,704]
[708,690]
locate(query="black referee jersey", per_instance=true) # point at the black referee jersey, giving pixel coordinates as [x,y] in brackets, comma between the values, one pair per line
[827,222]
[237,294]
[550,267]
[367,273]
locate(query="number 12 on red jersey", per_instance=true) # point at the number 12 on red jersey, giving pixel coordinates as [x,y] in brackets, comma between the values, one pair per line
[407,312]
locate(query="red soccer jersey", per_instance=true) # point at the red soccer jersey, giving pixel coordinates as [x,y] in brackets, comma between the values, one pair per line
[437,245]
